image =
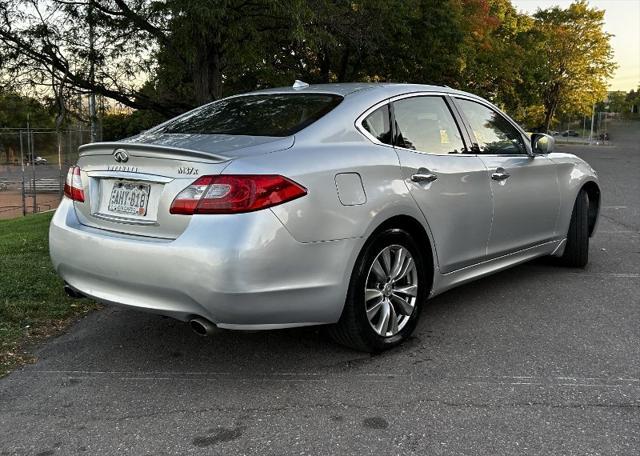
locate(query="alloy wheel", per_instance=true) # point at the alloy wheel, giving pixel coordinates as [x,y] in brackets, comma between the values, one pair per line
[391,290]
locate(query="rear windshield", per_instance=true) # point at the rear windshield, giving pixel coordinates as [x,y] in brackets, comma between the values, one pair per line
[255,115]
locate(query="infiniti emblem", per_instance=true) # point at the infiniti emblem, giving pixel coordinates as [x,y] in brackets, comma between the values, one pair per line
[121,155]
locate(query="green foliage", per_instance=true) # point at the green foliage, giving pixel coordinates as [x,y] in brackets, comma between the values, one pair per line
[32,302]
[116,126]
[574,60]
[16,110]
[618,102]
[167,56]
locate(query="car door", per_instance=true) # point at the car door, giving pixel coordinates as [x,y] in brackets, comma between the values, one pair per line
[448,183]
[524,186]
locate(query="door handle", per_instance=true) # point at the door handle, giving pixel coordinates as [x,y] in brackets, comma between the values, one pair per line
[424,175]
[500,174]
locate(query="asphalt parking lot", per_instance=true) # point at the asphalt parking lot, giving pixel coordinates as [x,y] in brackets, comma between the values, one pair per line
[535,360]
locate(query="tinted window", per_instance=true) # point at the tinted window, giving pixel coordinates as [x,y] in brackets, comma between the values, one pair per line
[377,123]
[255,115]
[427,125]
[495,135]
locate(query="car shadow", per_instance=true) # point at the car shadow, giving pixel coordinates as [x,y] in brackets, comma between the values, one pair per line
[121,340]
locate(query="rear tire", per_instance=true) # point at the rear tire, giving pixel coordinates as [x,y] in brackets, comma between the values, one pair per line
[383,302]
[576,252]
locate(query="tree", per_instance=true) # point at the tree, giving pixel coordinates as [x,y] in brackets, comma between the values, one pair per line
[496,65]
[134,39]
[16,110]
[617,101]
[573,58]
[168,56]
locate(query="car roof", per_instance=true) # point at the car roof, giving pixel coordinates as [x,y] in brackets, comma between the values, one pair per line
[352,88]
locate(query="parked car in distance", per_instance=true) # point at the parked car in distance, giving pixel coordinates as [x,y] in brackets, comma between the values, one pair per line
[553,133]
[37,160]
[567,133]
[345,205]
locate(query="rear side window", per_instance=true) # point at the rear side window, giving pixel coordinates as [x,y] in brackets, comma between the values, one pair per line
[494,134]
[255,115]
[426,124]
[377,123]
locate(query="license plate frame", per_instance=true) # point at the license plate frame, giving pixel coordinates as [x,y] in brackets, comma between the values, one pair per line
[129,198]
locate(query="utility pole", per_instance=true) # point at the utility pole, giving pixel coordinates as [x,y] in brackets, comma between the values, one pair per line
[92,75]
[24,202]
[31,156]
[593,115]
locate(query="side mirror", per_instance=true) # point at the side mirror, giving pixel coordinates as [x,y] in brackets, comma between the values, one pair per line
[542,143]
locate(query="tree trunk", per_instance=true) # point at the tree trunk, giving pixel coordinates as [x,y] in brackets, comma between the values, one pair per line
[216,77]
[207,78]
[201,84]
[548,115]
[344,64]
[324,67]
[550,106]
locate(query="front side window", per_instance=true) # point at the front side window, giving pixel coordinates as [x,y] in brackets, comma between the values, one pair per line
[494,134]
[426,124]
[255,115]
[378,125]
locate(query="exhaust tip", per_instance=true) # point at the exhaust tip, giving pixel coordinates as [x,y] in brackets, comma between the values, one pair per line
[202,327]
[72,293]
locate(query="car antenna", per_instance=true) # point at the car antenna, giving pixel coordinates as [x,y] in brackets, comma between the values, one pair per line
[299,84]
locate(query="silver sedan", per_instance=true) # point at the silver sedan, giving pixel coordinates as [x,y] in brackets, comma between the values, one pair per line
[345,205]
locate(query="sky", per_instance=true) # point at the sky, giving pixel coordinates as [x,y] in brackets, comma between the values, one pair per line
[622,19]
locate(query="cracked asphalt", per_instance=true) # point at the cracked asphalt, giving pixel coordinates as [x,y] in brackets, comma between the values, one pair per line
[534,360]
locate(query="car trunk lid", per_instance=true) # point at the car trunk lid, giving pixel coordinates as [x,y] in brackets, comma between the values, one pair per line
[129,186]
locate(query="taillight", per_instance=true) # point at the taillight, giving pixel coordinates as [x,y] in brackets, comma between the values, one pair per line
[231,194]
[73,184]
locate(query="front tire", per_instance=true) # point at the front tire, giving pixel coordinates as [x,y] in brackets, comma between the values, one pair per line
[387,288]
[576,252]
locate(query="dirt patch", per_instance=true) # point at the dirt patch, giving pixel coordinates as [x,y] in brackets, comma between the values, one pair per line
[11,203]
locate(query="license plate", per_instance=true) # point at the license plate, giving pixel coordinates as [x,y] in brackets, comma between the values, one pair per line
[130,198]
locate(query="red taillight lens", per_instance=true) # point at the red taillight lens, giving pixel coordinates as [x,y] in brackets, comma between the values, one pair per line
[231,194]
[73,185]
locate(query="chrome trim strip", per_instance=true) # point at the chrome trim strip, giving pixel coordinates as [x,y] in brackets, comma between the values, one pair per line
[363,131]
[130,176]
[487,104]
[126,220]
[560,247]
[446,281]
[373,139]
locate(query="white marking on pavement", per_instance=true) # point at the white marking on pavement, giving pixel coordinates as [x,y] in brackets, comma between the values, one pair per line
[616,275]
[324,377]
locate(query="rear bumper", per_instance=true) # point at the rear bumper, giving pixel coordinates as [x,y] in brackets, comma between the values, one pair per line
[241,271]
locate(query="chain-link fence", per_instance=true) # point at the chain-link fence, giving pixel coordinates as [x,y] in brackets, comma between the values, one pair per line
[33,167]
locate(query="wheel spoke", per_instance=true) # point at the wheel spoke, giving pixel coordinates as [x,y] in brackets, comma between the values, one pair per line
[383,321]
[400,257]
[374,309]
[393,320]
[406,268]
[372,293]
[385,258]
[408,290]
[403,305]
[378,270]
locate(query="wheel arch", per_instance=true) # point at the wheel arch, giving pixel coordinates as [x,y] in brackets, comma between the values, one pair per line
[593,192]
[418,232]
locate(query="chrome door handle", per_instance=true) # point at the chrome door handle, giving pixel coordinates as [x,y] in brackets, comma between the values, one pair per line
[424,175]
[500,174]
